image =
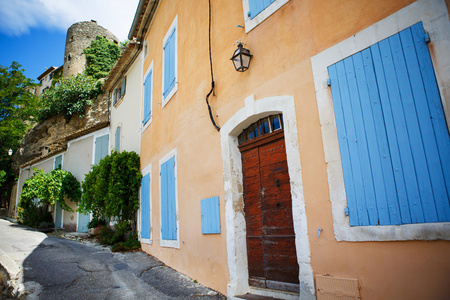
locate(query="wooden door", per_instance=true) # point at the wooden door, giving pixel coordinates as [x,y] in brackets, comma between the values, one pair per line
[271,252]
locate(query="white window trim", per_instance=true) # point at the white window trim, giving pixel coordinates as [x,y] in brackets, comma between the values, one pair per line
[145,171]
[267,12]
[113,145]
[175,88]
[144,126]
[169,243]
[62,160]
[434,15]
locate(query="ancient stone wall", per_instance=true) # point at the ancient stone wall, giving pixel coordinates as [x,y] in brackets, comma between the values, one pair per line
[79,36]
[52,132]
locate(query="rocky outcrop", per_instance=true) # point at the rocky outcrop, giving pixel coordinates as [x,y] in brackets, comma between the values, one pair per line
[51,136]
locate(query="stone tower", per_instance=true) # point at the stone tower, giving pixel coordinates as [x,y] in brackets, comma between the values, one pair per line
[79,36]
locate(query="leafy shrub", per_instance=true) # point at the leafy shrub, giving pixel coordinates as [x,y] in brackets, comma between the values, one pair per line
[71,97]
[50,188]
[131,244]
[111,188]
[101,56]
[105,235]
[35,216]
[96,222]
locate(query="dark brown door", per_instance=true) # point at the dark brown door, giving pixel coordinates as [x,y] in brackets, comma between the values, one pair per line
[272,258]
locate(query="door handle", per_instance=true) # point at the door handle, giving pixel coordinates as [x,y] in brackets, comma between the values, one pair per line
[277,182]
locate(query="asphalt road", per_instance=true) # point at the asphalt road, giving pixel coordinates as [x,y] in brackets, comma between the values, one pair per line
[49,267]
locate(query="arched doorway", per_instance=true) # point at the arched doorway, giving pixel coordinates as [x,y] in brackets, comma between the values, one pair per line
[234,202]
[270,236]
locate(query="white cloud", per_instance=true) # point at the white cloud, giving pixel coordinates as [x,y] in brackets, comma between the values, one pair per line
[17,17]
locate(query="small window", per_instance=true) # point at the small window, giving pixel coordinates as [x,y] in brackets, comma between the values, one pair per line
[147,105]
[145,49]
[169,201]
[262,127]
[117,139]
[170,60]
[256,11]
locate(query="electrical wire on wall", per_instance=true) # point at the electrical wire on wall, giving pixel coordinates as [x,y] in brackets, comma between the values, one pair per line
[212,75]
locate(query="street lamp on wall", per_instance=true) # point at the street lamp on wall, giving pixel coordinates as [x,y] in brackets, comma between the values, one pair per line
[241,58]
[10,152]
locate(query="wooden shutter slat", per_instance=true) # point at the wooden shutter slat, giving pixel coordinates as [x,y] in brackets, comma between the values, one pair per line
[437,117]
[343,145]
[388,210]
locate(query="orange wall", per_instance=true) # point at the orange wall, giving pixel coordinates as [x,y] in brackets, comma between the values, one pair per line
[282,47]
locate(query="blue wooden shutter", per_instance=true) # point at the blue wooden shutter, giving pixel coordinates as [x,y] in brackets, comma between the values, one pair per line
[58,162]
[168,201]
[257,6]
[392,133]
[145,207]
[124,84]
[117,139]
[147,98]
[169,64]
[101,148]
[210,215]
[114,97]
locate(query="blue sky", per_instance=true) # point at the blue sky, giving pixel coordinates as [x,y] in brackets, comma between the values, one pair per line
[33,32]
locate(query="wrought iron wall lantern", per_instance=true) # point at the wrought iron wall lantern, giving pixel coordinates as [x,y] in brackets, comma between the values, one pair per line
[10,152]
[241,58]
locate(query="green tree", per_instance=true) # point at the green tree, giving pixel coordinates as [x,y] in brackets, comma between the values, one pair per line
[17,110]
[101,56]
[70,97]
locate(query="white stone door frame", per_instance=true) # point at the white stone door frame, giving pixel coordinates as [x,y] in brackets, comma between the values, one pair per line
[234,203]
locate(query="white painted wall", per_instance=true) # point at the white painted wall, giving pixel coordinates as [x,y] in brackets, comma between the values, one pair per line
[126,111]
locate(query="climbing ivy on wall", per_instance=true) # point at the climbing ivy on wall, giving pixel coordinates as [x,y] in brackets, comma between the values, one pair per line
[111,188]
[69,98]
[101,56]
[48,189]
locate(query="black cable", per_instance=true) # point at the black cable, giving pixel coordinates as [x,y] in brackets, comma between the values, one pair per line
[212,75]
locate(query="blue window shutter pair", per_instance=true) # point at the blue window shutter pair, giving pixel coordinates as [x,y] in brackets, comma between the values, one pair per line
[117,139]
[145,207]
[257,6]
[101,148]
[392,133]
[168,201]
[147,97]
[210,215]
[169,64]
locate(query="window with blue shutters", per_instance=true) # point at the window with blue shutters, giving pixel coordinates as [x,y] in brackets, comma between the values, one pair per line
[119,92]
[210,214]
[256,11]
[147,105]
[101,148]
[257,6]
[393,137]
[170,62]
[117,139]
[145,208]
[169,206]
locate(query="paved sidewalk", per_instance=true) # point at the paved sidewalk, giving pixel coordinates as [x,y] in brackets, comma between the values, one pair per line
[43,266]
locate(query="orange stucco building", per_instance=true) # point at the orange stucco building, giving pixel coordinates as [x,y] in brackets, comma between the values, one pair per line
[282,201]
